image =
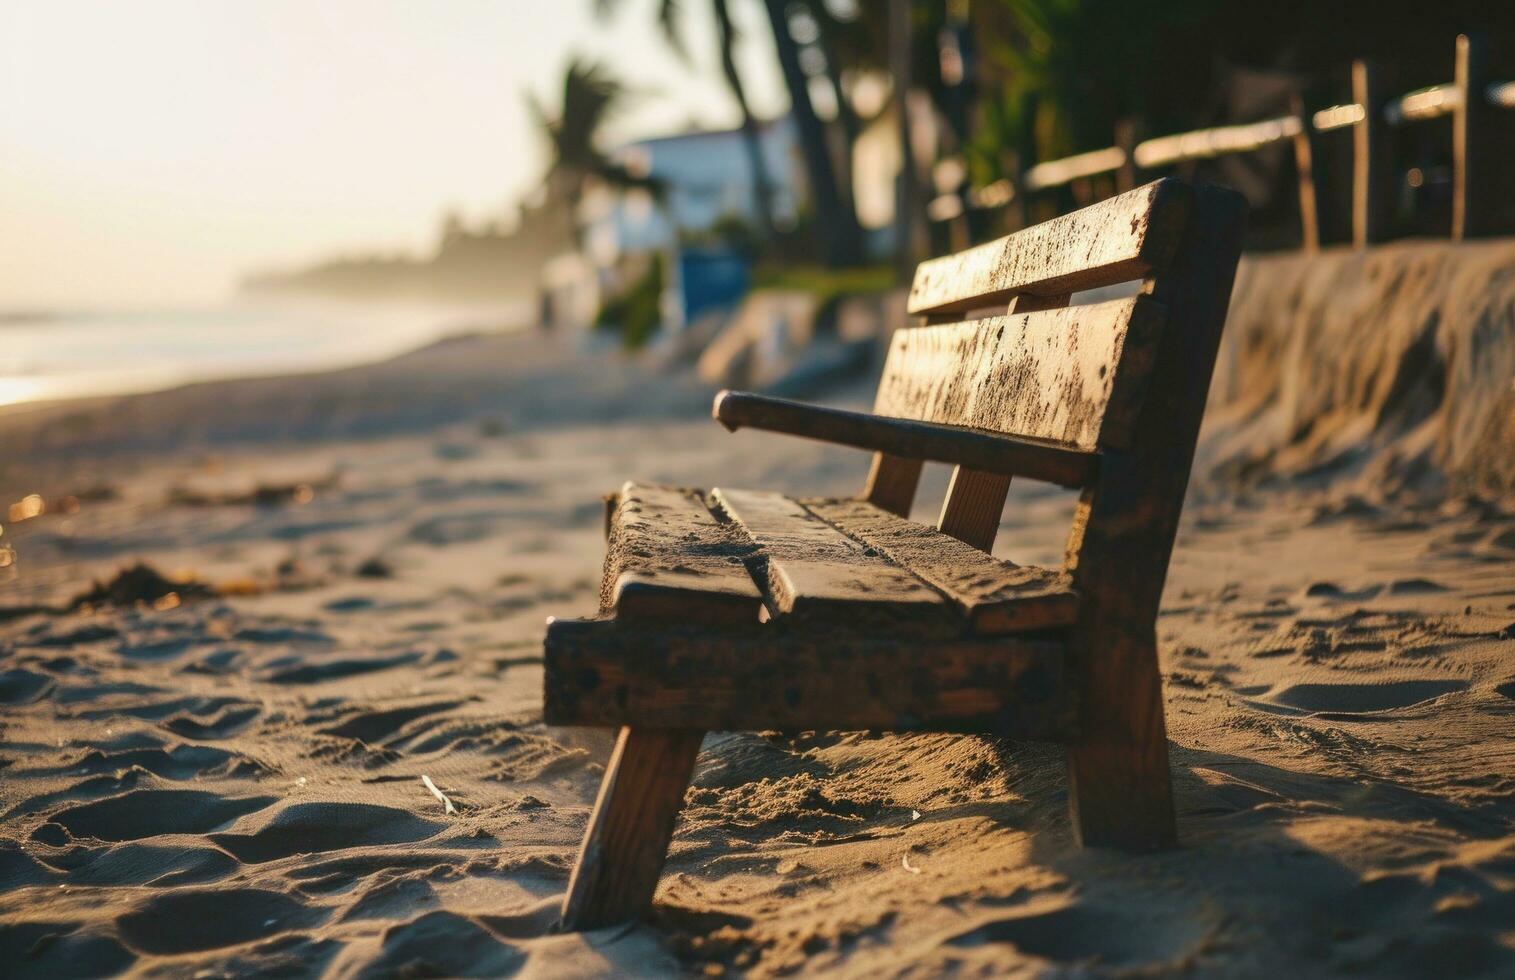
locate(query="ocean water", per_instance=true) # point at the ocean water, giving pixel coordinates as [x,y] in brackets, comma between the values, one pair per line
[48,355]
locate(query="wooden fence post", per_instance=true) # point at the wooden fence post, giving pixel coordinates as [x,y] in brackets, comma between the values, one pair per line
[1304,163]
[1025,157]
[1372,171]
[907,194]
[1473,205]
[1126,138]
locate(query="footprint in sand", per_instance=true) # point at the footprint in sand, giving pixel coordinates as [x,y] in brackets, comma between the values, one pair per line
[180,762]
[60,949]
[53,634]
[283,634]
[1415,586]
[444,944]
[293,670]
[304,828]
[153,812]
[438,490]
[455,529]
[187,921]
[374,727]
[1349,701]
[1077,933]
[134,863]
[19,869]
[393,898]
[1332,592]
[224,724]
[154,709]
[23,687]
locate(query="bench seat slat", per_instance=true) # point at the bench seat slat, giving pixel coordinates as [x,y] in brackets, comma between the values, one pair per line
[669,558]
[995,595]
[602,672]
[1074,376]
[815,573]
[1123,238]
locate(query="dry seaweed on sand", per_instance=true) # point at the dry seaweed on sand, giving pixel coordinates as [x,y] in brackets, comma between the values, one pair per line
[262,494]
[139,583]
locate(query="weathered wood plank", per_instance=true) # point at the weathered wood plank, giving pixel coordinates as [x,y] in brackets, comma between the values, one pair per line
[773,677]
[981,449]
[975,500]
[972,507]
[892,482]
[630,827]
[1373,176]
[1074,376]
[1123,238]
[815,573]
[669,558]
[995,595]
[1122,542]
[1475,173]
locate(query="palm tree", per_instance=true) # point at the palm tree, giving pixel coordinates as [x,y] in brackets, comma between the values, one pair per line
[669,20]
[835,215]
[590,97]
[761,187]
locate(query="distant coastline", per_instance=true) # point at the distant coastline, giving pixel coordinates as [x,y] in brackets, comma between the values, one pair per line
[52,355]
[496,263]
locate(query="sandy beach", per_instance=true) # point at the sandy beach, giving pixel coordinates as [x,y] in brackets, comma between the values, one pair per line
[315,747]
[382,381]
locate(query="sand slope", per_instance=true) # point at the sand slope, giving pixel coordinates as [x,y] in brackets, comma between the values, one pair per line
[1396,362]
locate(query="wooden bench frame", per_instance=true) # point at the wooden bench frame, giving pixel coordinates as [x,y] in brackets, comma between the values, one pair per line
[665,683]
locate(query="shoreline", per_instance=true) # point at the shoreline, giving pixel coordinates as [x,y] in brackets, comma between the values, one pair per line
[518,379]
[70,355]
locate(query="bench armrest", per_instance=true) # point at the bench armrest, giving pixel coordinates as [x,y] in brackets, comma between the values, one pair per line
[976,449]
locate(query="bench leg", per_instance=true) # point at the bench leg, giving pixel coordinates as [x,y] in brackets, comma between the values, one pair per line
[628,834]
[1119,785]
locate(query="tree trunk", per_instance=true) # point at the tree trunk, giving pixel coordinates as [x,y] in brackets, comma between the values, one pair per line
[762,187]
[851,127]
[906,191]
[835,218]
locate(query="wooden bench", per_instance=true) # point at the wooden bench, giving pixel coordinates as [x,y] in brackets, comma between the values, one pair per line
[742,609]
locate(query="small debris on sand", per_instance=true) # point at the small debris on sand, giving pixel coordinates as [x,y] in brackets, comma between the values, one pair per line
[439,794]
[259,495]
[141,583]
[374,568]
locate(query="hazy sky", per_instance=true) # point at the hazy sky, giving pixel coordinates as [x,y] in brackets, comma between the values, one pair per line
[152,150]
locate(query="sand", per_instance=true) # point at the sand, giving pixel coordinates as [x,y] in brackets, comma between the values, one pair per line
[243,782]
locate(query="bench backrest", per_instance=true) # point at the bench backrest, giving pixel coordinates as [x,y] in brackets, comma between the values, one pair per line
[1074,375]
[1126,379]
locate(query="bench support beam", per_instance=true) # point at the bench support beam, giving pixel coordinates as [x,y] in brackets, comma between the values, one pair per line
[630,828]
[1119,783]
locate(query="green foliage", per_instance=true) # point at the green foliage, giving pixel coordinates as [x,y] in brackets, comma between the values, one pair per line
[591,97]
[1058,74]
[827,284]
[730,230]
[636,313]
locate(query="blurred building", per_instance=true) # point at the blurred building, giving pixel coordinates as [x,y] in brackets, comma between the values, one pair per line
[705,205]
[707,181]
